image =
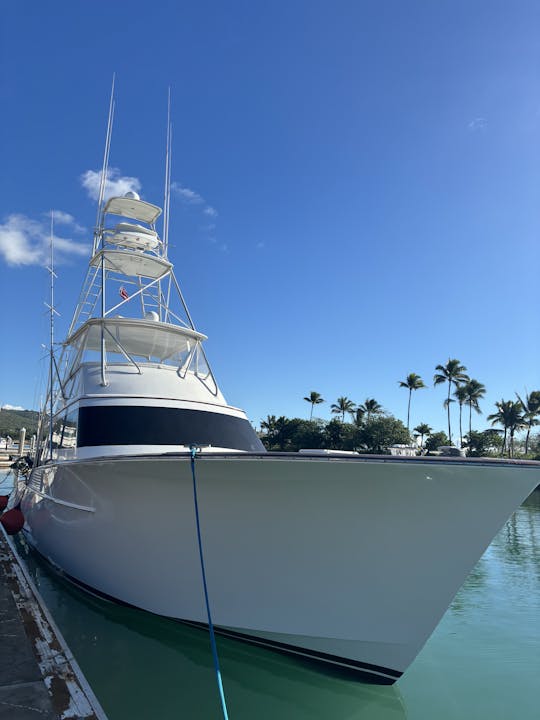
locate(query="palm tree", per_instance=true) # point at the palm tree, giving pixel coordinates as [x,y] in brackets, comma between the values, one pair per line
[475,392]
[531,408]
[282,432]
[269,428]
[412,382]
[341,406]
[460,393]
[446,405]
[269,425]
[509,415]
[358,418]
[453,373]
[371,407]
[423,429]
[315,399]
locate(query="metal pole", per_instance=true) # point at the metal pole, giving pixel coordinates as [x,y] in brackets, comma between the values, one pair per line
[103,349]
[104,171]
[22,438]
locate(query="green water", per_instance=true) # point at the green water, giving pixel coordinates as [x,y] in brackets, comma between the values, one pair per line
[483,661]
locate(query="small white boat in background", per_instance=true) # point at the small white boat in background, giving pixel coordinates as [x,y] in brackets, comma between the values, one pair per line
[347,559]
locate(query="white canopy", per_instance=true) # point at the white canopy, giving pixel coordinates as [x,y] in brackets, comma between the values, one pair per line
[132,208]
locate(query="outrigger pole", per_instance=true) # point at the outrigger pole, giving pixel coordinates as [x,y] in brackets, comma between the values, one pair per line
[105,168]
[167,198]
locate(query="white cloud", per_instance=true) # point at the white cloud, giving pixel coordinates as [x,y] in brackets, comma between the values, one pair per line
[11,407]
[477,124]
[209,210]
[186,194]
[64,218]
[116,184]
[24,241]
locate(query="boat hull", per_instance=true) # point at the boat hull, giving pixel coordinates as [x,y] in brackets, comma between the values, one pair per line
[351,561]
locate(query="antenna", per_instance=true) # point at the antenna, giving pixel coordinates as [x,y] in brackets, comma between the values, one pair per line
[105,168]
[52,313]
[167,199]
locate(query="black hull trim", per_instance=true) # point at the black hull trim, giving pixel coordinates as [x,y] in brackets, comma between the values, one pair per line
[365,672]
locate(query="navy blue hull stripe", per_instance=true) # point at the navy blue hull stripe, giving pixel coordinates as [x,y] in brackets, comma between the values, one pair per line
[145,425]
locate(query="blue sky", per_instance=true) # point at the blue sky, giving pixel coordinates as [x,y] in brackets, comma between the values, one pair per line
[358,186]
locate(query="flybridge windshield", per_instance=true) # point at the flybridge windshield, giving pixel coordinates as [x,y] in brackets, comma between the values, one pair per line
[140,341]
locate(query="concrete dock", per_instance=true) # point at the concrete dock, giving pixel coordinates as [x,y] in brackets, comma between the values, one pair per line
[39,677]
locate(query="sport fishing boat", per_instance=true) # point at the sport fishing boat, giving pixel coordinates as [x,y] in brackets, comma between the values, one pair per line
[346,559]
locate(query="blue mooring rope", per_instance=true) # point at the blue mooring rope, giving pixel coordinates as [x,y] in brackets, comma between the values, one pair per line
[193,450]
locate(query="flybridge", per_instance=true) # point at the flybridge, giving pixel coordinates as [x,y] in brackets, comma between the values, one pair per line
[129,348]
[145,340]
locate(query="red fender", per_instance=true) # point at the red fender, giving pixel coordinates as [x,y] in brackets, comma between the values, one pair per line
[13,521]
[3,502]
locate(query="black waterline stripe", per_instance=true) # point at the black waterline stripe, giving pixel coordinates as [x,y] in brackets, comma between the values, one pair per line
[299,650]
[374,673]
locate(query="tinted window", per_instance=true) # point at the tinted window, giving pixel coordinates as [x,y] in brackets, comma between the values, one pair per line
[128,425]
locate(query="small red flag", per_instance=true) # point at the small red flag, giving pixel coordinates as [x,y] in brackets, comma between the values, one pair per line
[123,293]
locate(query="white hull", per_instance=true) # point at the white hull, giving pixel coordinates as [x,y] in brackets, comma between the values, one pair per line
[350,560]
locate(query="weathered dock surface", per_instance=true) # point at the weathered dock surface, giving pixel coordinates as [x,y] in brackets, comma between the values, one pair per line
[39,677]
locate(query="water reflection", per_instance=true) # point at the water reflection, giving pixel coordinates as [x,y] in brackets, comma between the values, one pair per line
[144,666]
[470,595]
[511,561]
[513,545]
[517,545]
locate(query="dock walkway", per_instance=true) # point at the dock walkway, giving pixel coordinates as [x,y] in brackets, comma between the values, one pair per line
[39,677]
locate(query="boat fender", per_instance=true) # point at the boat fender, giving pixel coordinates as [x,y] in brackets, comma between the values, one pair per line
[3,502]
[13,521]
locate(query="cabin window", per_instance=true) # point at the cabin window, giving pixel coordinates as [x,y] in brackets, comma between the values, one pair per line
[144,425]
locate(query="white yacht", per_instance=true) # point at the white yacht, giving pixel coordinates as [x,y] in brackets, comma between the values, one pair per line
[347,559]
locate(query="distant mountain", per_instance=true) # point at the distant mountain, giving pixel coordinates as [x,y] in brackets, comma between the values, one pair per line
[11,422]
